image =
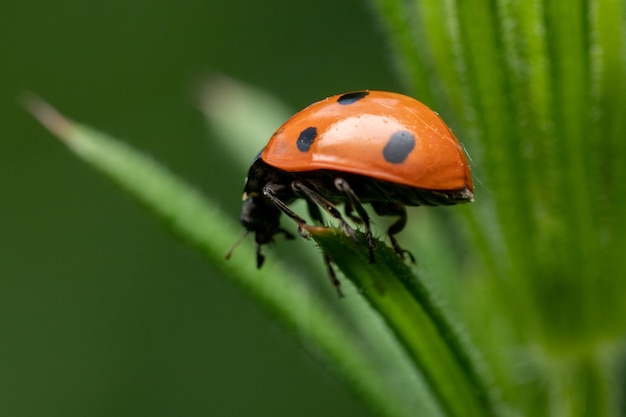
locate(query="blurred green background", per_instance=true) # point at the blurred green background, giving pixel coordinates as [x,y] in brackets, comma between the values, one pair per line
[101,312]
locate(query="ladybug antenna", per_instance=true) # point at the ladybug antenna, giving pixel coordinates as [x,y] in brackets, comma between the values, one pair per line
[241,238]
[469,157]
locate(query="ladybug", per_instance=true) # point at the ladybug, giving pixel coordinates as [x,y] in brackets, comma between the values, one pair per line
[375,147]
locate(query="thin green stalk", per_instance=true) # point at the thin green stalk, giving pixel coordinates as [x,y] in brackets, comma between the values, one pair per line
[420,324]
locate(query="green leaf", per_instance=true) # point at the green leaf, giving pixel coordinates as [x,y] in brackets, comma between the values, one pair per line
[420,324]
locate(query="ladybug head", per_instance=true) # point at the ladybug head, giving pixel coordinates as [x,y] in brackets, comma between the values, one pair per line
[258,214]
[261,217]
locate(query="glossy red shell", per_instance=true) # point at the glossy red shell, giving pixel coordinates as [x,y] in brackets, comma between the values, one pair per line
[351,137]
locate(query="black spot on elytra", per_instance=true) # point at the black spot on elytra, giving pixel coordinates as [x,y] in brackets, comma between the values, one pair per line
[350,98]
[399,147]
[306,139]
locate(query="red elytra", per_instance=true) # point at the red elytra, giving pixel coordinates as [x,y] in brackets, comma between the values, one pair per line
[375,147]
[351,137]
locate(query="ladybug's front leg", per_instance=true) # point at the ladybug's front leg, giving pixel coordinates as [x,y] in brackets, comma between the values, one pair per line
[317,198]
[270,193]
[314,200]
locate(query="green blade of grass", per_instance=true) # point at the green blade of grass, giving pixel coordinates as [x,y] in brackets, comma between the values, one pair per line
[423,328]
[366,356]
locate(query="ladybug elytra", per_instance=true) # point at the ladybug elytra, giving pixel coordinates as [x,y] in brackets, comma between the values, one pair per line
[375,147]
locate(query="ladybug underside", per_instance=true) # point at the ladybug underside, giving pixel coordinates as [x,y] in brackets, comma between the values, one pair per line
[269,191]
[368,190]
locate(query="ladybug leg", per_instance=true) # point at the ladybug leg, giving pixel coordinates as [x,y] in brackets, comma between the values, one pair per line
[333,277]
[329,207]
[268,192]
[348,212]
[394,209]
[354,202]
[259,256]
[314,212]
[316,215]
